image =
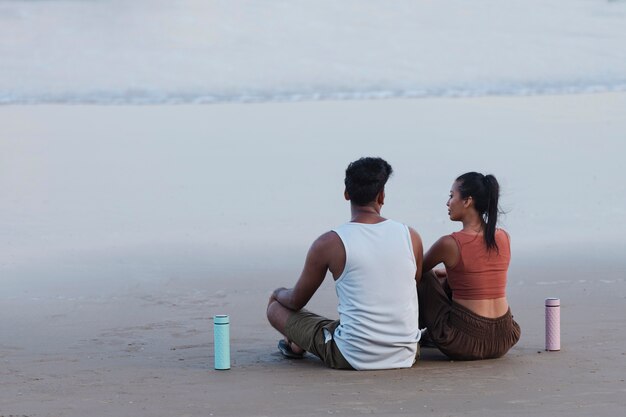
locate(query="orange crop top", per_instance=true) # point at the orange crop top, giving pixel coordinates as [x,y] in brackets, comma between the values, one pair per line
[480,274]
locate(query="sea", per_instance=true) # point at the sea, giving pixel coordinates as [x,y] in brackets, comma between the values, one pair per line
[206,51]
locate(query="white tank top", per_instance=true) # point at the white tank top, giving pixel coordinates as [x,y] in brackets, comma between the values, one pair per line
[377,296]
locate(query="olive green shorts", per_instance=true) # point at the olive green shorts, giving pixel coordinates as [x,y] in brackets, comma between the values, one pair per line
[306,330]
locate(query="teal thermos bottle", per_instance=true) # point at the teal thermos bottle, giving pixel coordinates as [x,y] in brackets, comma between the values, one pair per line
[221,341]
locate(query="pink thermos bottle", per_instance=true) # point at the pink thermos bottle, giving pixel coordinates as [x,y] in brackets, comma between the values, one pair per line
[553,324]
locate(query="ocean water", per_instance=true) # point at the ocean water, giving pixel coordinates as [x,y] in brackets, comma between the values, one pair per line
[198,51]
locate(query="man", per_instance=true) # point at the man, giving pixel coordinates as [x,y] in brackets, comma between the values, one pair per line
[375,263]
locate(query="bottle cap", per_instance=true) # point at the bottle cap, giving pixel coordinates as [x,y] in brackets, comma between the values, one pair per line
[553,302]
[220,319]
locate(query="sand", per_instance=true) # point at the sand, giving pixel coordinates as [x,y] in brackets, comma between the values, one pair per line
[125,229]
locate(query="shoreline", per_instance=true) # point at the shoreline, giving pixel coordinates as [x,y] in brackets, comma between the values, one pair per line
[332,98]
[295,98]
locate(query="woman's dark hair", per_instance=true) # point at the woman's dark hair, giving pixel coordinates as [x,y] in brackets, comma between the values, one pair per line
[365,178]
[485,191]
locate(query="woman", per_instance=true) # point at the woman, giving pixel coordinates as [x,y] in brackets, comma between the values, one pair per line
[464,308]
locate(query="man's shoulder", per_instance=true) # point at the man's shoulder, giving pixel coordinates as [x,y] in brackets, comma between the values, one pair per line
[329,238]
[326,247]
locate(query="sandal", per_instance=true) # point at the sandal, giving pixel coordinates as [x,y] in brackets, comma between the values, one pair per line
[285,349]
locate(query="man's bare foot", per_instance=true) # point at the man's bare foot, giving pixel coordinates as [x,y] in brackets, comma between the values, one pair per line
[285,347]
[295,348]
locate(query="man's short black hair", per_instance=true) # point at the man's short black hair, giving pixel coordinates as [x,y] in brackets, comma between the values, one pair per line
[365,178]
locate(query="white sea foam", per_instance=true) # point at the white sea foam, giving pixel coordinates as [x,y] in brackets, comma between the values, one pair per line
[202,51]
[557,282]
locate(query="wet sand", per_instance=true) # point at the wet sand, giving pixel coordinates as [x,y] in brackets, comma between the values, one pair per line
[147,350]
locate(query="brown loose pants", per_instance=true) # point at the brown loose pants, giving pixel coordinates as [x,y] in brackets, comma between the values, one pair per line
[458,332]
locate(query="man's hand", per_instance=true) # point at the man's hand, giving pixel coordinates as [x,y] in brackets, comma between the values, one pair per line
[274,296]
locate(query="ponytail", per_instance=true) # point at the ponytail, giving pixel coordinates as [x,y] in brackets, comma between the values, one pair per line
[485,191]
[490,217]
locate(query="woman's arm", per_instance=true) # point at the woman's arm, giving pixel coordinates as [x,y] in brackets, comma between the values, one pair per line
[443,251]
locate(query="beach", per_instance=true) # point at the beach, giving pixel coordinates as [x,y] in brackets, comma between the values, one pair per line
[126,228]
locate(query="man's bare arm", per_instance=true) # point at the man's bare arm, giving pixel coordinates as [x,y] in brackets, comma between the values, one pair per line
[418,251]
[312,276]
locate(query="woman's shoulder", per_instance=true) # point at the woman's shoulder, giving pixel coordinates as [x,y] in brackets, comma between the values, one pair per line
[459,234]
[503,239]
[503,232]
[449,242]
[446,250]
[463,238]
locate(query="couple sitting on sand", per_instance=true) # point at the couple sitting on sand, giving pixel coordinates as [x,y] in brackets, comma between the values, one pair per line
[378,263]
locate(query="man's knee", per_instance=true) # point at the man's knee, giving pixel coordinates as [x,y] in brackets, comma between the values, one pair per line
[278,315]
[271,310]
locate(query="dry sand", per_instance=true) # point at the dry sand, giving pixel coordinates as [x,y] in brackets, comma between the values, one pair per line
[124,229]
